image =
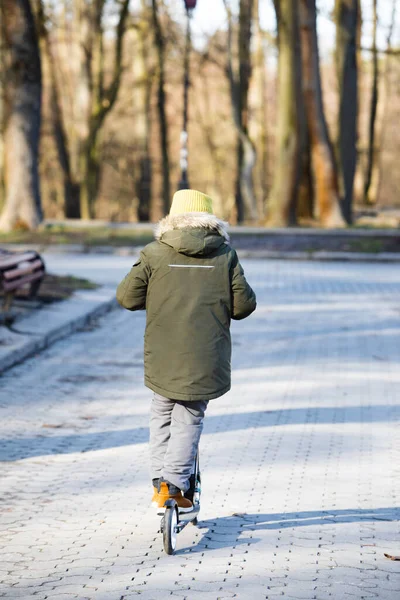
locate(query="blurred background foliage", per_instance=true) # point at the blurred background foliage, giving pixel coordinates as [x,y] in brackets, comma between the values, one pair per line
[284,128]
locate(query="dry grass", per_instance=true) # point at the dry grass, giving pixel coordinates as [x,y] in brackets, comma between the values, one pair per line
[54,288]
[91,236]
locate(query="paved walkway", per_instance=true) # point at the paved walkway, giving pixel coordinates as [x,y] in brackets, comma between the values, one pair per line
[300,460]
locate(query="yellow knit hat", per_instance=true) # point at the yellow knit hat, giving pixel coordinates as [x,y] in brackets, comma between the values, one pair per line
[186,201]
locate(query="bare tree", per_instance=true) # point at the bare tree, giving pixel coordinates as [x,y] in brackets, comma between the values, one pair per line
[239,81]
[70,187]
[379,108]
[325,174]
[2,106]
[261,120]
[161,105]
[283,195]
[373,107]
[347,26]
[94,99]
[143,79]
[376,179]
[96,80]
[22,116]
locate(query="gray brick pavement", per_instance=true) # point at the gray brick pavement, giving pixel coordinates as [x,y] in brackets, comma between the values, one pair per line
[300,460]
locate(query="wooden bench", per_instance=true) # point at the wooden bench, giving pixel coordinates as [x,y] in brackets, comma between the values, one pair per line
[20,270]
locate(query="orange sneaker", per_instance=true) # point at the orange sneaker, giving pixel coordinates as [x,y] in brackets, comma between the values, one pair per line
[168,491]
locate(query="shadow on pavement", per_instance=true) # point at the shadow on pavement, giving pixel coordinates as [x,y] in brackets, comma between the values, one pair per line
[43,445]
[238,529]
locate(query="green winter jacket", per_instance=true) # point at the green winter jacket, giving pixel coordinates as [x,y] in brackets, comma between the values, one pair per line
[191,284]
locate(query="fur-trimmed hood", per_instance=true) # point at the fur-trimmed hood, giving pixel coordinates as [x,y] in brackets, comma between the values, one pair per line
[194,220]
[194,234]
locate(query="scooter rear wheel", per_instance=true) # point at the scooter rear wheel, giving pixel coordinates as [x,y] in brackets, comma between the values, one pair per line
[169,529]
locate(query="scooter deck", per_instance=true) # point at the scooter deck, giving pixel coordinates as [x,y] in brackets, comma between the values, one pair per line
[183,519]
[190,516]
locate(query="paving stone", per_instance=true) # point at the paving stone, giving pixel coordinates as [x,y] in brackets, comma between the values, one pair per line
[299,460]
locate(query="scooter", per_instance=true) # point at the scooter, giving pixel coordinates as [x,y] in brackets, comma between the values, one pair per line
[172,522]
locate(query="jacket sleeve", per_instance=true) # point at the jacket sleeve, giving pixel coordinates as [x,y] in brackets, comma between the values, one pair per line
[132,291]
[243,297]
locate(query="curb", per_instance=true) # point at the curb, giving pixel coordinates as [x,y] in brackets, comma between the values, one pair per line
[322,256]
[363,230]
[40,342]
[316,255]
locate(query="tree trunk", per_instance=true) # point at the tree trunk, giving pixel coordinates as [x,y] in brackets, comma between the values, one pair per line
[90,173]
[23,115]
[247,153]
[246,203]
[283,195]
[262,114]
[373,109]
[2,108]
[161,105]
[305,201]
[238,186]
[71,199]
[142,87]
[79,132]
[347,18]
[323,162]
[381,134]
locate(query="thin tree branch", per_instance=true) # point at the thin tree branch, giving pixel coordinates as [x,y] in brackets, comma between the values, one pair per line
[390,51]
[110,94]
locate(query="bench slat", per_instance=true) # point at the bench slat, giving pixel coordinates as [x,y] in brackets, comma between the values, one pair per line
[10,261]
[17,283]
[27,268]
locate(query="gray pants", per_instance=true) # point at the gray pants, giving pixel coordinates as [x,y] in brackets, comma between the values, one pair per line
[175,429]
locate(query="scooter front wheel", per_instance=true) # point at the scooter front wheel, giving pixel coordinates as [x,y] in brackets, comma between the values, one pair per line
[170,529]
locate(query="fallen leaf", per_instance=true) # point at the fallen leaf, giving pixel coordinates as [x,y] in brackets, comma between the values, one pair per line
[367,545]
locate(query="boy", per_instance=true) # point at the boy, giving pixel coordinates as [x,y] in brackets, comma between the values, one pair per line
[191,284]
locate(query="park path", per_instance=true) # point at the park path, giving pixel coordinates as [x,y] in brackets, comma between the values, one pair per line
[300,460]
